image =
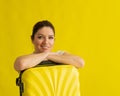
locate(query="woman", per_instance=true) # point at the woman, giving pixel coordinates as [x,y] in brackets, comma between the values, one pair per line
[43,38]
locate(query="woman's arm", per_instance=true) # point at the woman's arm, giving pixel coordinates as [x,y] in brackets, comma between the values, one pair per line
[28,61]
[66,58]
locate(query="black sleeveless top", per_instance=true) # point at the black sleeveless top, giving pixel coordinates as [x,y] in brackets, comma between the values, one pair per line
[48,63]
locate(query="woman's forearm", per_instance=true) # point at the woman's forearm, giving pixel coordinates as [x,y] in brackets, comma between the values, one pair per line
[32,60]
[29,61]
[67,59]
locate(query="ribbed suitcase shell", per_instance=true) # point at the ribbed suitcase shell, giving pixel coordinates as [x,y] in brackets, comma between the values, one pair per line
[59,80]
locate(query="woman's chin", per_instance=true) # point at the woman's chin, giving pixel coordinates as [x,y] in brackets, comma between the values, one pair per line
[45,51]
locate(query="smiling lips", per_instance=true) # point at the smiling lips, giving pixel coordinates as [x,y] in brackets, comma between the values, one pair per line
[45,47]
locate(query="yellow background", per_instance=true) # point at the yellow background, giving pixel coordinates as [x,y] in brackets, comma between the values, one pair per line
[88,28]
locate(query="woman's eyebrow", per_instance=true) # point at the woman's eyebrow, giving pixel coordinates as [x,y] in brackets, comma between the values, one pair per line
[39,34]
[51,35]
[43,34]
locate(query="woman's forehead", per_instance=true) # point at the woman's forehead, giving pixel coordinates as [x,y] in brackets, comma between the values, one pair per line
[45,31]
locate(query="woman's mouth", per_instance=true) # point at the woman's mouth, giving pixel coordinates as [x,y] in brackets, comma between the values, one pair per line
[45,47]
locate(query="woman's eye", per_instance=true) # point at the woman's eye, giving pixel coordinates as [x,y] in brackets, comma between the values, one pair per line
[40,37]
[51,37]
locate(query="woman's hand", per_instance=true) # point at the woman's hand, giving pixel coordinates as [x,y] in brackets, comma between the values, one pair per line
[66,58]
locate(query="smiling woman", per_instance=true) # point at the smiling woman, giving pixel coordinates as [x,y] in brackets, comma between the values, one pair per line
[43,41]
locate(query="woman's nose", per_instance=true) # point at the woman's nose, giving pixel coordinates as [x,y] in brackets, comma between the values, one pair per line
[45,41]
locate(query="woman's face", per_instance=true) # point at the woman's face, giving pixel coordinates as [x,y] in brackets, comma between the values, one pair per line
[43,40]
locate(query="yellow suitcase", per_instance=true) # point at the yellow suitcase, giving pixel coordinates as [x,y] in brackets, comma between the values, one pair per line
[53,80]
